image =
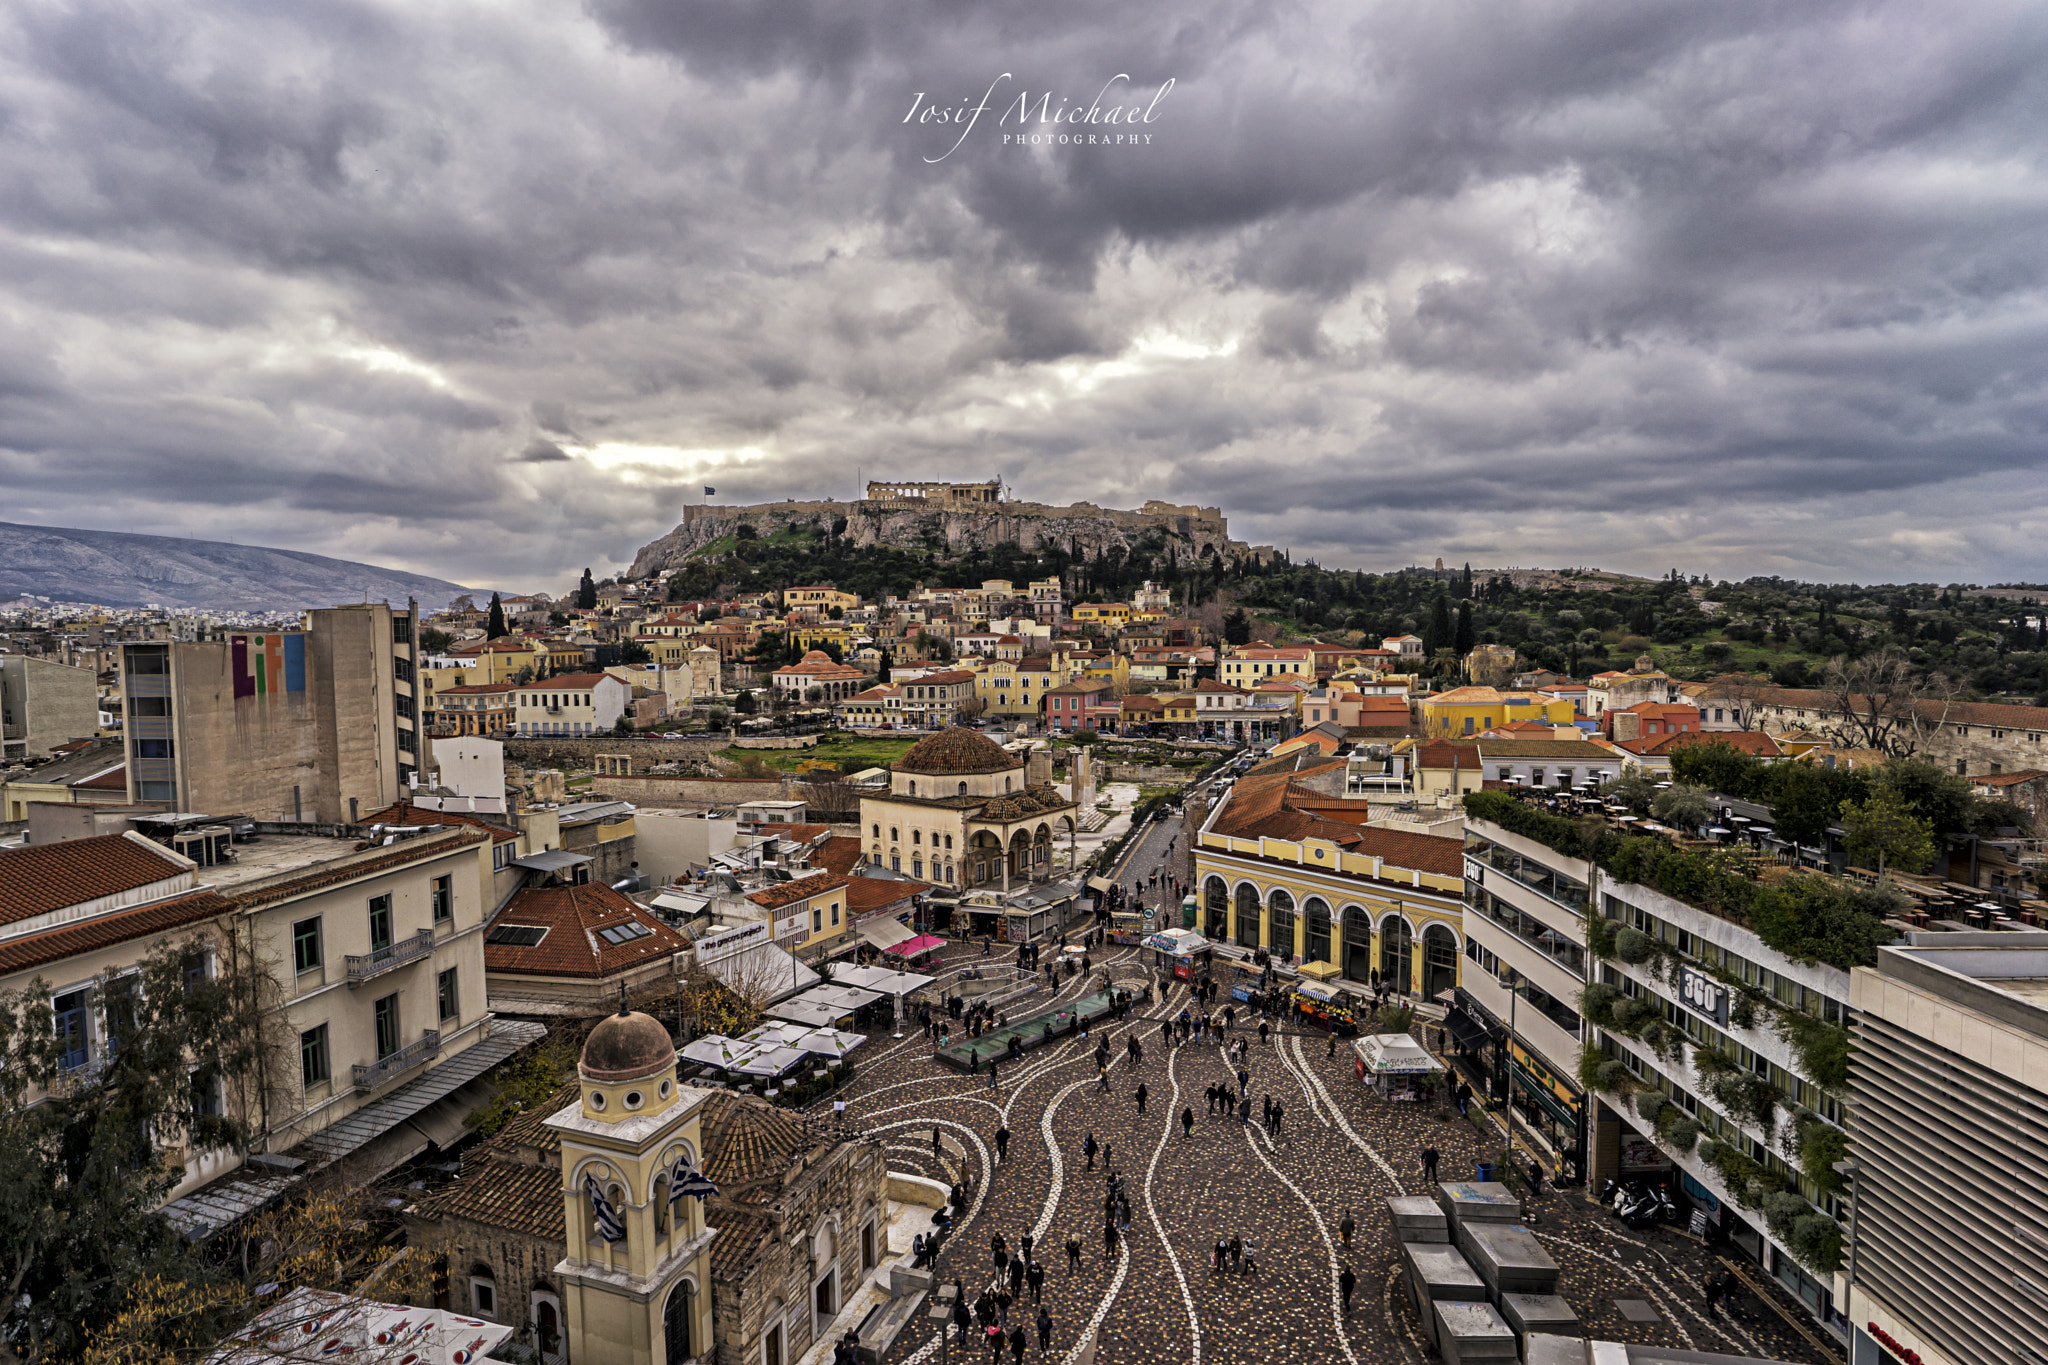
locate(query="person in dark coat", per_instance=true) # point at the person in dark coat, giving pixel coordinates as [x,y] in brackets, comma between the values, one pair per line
[1016,1276]
[1088,1150]
[1025,1245]
[1073,1252]
[1346,1282]
[1044,1332]
[1035,1277]
[1017,1344]
[1003,1143]
[1141,1092]
[1187,1121]
[1429,1160]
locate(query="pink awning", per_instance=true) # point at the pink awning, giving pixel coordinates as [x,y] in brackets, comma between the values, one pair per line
[912,947]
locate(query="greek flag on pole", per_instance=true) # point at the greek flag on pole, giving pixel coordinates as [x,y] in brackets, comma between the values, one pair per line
[609,1225]
[709,490]
[684,1180]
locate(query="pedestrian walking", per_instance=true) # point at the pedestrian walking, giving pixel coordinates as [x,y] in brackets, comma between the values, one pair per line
[992,1077]
[1251,1259]
[1712,1289]
[1003,1142]
[1035,1277]
[999,1252]
[1266,1112]
[1141,1092]
[1244,1110]
[1262,1033]
[1044,1333]
[1236,1252]
[1108,1240]
[1535,1178]
[1088,1149]
[1429,1160]
[1073,1252]
[936,1150]
[1279,1111]
[1102,1081]
[1346,1226]
[1333,1044]
[1187,1122]
[1218,1254]
[1464,1097]
[1016,1276]
[1346,1282]
[1024,1246]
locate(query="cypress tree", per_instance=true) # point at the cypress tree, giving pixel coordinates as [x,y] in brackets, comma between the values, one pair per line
[1465,639]
[495,626]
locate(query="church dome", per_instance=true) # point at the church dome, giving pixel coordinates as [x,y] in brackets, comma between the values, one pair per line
[957,750]
[626,1047]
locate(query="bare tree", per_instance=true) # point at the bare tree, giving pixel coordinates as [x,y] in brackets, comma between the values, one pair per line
[830,795]
[1882,702]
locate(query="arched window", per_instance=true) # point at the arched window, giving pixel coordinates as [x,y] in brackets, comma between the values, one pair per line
[1247,916]
[917,836]
[949,841]
[1216,901]
[678,1321]
[1317,913]
[483,1291]
[878,831]
[662,1209]
[963,789]
[892,835]
[1280,925]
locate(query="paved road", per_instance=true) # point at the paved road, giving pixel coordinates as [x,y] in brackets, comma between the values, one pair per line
[1155,1297]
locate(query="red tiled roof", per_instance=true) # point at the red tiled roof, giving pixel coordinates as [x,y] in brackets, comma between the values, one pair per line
[570,682]
[114,779]
[405,813]
[789,893]
[44,877]
[480,687]
[838,855]
[2012,779]
[55,945]
[1273,805]
[573,916]
[867,894]
[1748,741]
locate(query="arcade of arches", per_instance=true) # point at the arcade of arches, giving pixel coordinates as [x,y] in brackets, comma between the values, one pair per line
[1368,939]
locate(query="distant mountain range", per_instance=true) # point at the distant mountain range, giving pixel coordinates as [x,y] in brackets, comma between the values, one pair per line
[117,569]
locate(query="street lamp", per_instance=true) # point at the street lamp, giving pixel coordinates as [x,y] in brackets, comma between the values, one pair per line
[1512,980]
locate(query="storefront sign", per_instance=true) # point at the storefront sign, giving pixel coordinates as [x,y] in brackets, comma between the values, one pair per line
[723,944]
[1703,995]
[1638,1153]
[1539,1072]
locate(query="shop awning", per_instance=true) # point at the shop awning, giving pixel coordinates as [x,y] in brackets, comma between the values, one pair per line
[915,947]
[1102,884]
[1320,971]
[885,932]
[1465,1029]
[1394,1054]
[1543,1097]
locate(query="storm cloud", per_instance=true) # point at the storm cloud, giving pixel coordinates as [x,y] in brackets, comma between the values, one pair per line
[490,291]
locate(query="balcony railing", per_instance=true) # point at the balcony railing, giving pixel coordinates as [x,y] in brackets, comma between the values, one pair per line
[405,1059]
[363,966]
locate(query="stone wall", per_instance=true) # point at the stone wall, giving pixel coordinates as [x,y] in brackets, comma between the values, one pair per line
[1148,774]
[662,789]
[1194,530]
[575,754]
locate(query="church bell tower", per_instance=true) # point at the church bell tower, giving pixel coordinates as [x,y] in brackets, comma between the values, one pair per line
[638,1271]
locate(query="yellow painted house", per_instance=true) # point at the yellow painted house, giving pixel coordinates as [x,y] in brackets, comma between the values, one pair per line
[1113,614]
[1474,710]
[1112,669]
[1017,687]
[1287,868]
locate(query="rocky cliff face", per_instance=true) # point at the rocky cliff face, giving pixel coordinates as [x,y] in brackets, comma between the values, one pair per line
[1192,531]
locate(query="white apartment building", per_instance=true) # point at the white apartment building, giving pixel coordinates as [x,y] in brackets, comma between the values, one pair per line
[572,704]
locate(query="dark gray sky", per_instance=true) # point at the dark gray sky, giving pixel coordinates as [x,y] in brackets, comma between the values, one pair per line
[487,290]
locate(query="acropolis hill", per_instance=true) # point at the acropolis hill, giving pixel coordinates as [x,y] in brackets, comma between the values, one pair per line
[933,515]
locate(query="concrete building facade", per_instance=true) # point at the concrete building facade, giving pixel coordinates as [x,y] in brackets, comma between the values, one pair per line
[317,724]
[44,703]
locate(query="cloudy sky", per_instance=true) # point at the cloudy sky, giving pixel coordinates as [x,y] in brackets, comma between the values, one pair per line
[489,290]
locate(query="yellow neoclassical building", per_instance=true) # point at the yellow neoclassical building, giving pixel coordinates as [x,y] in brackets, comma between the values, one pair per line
[637,1274]
[1474,710]
[1281,865]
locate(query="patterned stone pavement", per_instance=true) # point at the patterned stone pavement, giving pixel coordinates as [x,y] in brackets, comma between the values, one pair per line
[1156,1299]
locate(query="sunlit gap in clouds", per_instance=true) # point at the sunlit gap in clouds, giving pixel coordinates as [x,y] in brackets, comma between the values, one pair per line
[651,465]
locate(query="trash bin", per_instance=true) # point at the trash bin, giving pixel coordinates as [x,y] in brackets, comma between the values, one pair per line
[1482,1171]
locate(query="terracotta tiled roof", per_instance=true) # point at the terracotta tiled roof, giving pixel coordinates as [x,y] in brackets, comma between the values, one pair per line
[2012,779]
[865,895]
[1748,741]
[44,877]
[114,779]
[838,855]
[54,945]
[957,749]
[746,1140]
[405,813]
[575,917]
[779,894]
[740,1236]
[475,688]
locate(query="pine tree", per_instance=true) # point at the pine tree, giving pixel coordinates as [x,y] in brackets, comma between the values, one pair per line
[1438,634]
[495,627]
